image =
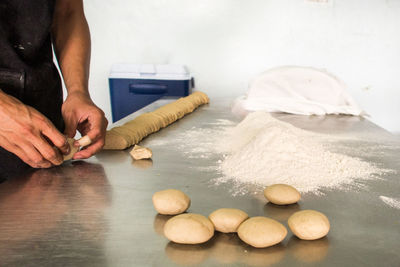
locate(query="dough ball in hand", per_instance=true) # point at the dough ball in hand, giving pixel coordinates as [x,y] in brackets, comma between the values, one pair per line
[139,152]
[282,194]
[189,228]
[309,224]
[227,220]
[171,202]
[261,232]
[73,149]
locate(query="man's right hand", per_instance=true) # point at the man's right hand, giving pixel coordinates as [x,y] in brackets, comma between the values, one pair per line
[24,130]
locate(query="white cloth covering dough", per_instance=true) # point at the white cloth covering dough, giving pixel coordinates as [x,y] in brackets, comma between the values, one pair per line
[297,90]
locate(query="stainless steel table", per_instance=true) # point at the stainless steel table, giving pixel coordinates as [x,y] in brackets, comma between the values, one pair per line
[99,212]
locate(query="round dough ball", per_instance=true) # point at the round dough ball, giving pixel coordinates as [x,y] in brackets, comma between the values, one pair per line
[171,202]
[309,224]
[282,194]
[189,228]
[227,220]
[261,232]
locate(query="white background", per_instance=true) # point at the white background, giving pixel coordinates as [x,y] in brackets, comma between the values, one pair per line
[225,43]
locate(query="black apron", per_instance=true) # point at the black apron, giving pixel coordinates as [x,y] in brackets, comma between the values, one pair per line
[27,71]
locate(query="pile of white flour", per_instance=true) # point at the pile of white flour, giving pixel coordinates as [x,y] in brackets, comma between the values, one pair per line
[262,150]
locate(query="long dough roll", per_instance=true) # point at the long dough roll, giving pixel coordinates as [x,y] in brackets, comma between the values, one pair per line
[132,132]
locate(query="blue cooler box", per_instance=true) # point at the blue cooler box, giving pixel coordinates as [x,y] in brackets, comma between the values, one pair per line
[134,86]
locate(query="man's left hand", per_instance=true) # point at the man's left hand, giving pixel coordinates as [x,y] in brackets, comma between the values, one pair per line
[80,113]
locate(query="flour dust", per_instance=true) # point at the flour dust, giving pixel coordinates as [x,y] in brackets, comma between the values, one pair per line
[262,150]
[392,202]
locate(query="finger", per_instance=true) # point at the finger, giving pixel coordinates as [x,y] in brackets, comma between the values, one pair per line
[18,152]
[24,157]
[57,138]
[98,128]
[70,129]
[35,157]
[84,141]
[68,147]
[84,127]
[90,150]
[47,151]
[94,133]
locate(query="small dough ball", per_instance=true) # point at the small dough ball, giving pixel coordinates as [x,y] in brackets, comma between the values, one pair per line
[282,194]
[73,149]
[309,224]
[171,202]
[227,220]
[261,232]
[189,228]
[139,152]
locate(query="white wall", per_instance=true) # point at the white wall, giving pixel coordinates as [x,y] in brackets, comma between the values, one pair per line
[227,42]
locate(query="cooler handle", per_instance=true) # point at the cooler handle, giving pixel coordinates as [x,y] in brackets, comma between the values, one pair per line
[147,89]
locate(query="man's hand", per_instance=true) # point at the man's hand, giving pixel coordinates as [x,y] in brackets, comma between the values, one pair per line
[71,39]
[80,113]
[26,132]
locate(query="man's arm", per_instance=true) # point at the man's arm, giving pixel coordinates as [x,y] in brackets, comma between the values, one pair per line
[71,39]
[23,132]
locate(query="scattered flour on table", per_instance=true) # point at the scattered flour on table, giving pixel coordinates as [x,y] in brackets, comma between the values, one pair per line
[392,202]
[262,150]
[198,141]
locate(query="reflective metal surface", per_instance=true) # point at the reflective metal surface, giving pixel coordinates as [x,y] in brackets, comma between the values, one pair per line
[99,212]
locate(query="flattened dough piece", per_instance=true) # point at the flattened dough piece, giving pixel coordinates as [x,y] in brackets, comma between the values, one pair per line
[170,202]
[73,149]
[261,232]
[309,224]
[139,152]
[227,220]
[189,228]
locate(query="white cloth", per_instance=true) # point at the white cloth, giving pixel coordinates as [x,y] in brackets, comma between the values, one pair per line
[297,90]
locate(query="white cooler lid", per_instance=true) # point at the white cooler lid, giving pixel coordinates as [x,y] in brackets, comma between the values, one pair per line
[149,71]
